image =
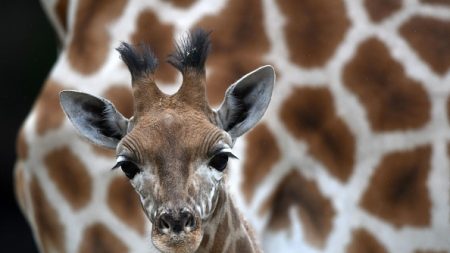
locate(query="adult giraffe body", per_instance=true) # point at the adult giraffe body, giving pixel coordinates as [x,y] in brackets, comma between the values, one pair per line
[352,155]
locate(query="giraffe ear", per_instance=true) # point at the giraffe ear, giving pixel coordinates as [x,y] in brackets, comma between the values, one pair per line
[246,101]
[94,118]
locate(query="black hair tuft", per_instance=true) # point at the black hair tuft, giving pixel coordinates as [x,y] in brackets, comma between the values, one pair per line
[191,51]
[139,59]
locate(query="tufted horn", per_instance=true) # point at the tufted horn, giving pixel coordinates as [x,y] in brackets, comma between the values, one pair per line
[142,64]
[189,58]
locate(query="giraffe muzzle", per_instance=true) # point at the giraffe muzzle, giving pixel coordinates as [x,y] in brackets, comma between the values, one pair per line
[176,221]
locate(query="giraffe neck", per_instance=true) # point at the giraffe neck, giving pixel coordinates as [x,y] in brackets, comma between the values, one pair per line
[227,231]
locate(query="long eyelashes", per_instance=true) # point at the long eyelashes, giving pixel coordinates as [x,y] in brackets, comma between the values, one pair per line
[129,168]
[220,160]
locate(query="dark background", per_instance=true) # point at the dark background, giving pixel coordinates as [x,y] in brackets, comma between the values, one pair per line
[28,51]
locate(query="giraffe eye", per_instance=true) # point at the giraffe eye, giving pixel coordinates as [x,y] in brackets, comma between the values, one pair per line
[129,168]
[219,161]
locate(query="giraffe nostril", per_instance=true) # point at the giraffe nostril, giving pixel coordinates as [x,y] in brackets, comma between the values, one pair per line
[163,223]
[189,222]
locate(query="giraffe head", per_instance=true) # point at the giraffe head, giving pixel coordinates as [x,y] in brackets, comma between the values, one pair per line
[175,148]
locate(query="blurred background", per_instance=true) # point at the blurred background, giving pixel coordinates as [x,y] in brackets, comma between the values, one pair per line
[28,52]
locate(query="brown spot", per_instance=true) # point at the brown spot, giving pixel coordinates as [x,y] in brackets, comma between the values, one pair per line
[231,57]
[430,38]
[160,37]
[309,115]
[443,2]
[49,229]
[124,202]
[221,235]
[70,176]
[392,100]
[363,241]
[61,13]
[399,183]
[243,245]
[314,29]
[381,9]
[122,98]
[21,145]
[262,152]
[20,186]
[99,239]
[48,110]
[315,210]
[90,43]
[182,3]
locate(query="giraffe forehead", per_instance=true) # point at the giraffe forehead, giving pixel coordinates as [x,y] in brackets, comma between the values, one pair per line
[174,135]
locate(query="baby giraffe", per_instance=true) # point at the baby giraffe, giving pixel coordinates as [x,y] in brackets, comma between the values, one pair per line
[175,148]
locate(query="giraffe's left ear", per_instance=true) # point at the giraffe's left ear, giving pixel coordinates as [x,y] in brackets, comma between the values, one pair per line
[246,101]
[94,118]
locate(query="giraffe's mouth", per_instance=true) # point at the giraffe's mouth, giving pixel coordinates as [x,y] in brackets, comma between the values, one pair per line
[183,242]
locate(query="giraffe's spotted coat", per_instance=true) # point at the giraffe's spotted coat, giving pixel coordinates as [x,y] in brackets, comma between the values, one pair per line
[262,153]
[313,30]
[20,186]
[70,176]
[61,10]
[393,101]
[309,115]
[124,203]
[378,10]
[99,239]
[232,58]
[21,145]
[399,183]
[48,222]
[90,42]
[430,38]
[315,210]
[49,113]
[364,241]
[151,31]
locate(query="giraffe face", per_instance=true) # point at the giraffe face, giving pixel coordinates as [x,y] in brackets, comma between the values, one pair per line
[176,161]
[175,148]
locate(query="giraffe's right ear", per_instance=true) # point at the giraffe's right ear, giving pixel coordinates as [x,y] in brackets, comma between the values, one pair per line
[94,118]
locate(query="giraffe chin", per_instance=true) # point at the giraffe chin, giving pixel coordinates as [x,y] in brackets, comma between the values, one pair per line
[177,242]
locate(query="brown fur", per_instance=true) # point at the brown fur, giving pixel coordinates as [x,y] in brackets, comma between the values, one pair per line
[49,113]
[315,210]
[262,152]
[430,38]
[151,31]
[400,184]
[393,101]
[233,58]
[89,46]
[363,241]
[313,30]
[438,2]
[99,239]
[48,224]
[21,145]
[61,9]
[381,9]
[309,115]
[124,203]
[70,176]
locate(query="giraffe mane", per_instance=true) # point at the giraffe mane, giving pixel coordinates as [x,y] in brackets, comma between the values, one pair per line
[191,51]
